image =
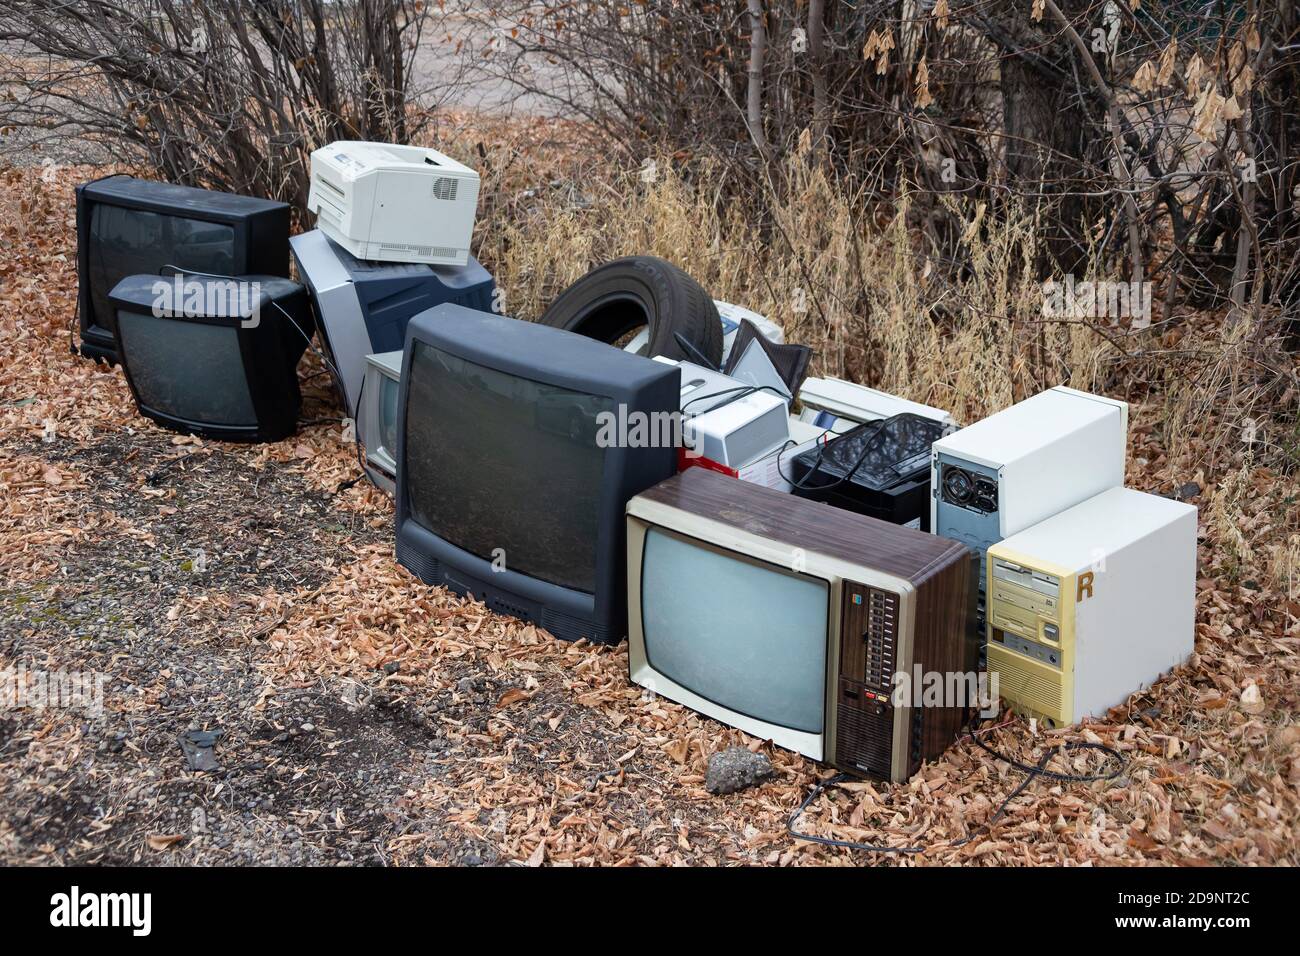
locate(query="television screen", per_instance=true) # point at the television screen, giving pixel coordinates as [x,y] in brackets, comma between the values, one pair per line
[389,389]
[129,241]
[505,468]
[747,635]
[518,448]
[190,369]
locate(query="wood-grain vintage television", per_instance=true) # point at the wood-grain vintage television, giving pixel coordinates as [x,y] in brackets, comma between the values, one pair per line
[788,618]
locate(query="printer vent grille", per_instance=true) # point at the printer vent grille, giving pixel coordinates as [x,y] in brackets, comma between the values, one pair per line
[444,187]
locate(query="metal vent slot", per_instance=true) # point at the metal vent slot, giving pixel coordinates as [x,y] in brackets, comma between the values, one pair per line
[1019,684]
[425,568]
[441,251]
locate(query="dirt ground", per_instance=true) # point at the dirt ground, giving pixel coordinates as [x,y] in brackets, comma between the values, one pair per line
[364,718]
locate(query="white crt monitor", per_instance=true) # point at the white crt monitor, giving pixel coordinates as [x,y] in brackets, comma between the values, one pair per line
[377,420]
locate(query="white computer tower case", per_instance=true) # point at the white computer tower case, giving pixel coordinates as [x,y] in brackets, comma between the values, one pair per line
[1092,604]
[1025,463]
[390,203]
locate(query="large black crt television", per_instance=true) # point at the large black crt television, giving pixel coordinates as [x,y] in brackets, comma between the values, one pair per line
[214,357]
[128,226]
[514,465]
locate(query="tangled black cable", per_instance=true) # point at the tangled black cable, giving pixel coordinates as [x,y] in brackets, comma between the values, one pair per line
[1031,772]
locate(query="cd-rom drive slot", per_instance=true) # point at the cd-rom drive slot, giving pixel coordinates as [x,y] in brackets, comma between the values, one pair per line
[1025,600]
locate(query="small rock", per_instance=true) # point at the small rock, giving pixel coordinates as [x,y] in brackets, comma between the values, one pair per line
[1188,491]
[392,667]
[735,769]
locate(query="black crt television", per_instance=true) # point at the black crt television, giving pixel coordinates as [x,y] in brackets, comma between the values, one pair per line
[517,452]
[128,226]
[214,357]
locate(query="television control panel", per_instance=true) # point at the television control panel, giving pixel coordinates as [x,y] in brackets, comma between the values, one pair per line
[869,626]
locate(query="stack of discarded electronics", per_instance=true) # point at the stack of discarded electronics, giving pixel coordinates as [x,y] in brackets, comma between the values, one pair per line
[648,463]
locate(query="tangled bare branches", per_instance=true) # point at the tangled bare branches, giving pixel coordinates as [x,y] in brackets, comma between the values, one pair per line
[1156,135]
[231,94]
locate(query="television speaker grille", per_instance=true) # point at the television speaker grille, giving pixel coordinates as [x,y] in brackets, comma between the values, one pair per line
[569,628]
[424,567]
[865,741]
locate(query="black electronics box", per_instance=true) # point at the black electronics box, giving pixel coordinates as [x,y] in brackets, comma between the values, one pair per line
[880,469]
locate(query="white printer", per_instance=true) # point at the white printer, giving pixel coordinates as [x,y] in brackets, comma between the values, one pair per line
[840,406]
[391,203]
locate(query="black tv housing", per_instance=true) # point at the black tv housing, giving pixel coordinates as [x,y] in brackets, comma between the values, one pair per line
[260,358]
[495,353]
[245,236]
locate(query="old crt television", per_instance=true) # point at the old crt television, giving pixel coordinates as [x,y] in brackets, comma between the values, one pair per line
[1092,604]
[128,226]
[787,619]
[363,307]
[214,357]
[518,446]
[377,420]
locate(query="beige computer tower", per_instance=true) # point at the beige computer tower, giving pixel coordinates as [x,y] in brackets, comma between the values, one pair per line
[1091,605]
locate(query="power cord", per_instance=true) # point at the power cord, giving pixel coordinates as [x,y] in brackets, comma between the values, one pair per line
[1031,773]
[741,391]
[802,483]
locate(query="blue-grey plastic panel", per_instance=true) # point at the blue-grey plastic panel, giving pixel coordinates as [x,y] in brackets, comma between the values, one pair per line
[973,528]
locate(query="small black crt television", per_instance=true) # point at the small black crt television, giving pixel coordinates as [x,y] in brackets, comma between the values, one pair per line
[518,447]
[212,356]
[128,226]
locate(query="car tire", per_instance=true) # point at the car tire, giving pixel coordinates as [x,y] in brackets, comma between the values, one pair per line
[611,302]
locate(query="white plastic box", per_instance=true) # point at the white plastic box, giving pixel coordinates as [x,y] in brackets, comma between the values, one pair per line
[1092,604]
[1026,463]
[391,203]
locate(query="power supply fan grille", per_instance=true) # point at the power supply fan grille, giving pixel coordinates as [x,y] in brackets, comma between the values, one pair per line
[864,741]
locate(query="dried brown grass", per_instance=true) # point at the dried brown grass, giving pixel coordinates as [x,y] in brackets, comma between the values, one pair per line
[1215,776]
